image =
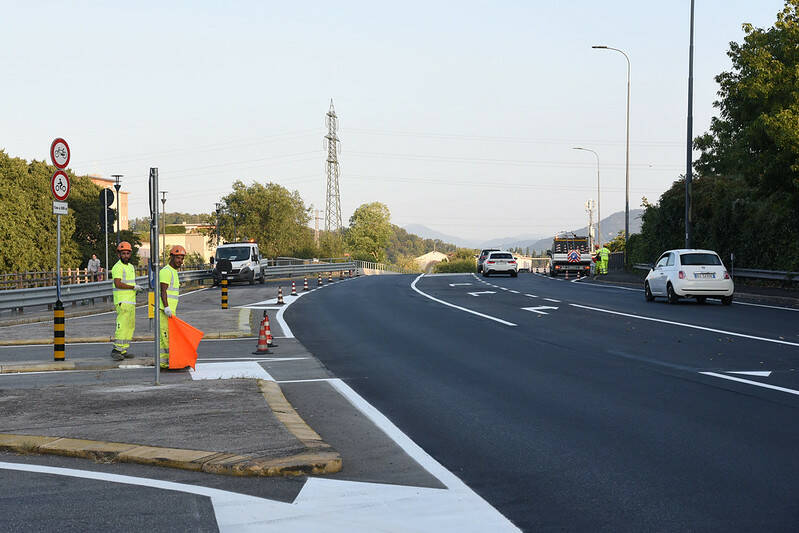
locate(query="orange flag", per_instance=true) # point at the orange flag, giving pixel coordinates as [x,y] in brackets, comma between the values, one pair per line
[183,341]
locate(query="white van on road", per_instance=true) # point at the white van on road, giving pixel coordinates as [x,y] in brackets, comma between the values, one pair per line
[241,260]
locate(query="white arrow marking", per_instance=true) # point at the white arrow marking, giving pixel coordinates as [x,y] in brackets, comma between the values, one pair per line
[478,293]
[539,309]
[456,284]
[761,373]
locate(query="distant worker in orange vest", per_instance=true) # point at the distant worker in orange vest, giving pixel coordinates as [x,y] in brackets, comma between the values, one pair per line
[170,293]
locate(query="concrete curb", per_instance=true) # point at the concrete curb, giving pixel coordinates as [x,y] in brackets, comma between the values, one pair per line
[77,364]
[318,458]
[73,340]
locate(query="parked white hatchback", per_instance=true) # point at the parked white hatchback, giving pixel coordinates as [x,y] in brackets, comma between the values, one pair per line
[500,262]
[689,274]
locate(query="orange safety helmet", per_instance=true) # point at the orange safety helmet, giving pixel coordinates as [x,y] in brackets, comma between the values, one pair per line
[177,250]
[124,246]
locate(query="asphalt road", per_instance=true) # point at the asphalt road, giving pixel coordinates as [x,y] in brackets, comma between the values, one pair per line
[573,406]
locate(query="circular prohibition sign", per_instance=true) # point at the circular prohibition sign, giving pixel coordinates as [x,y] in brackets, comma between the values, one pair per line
[59,185]
[60,153]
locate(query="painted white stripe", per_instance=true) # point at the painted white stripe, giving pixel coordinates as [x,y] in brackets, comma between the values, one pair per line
[230,370]
[503,288]
[552,300]
[307,380]
[684,325]
[761,373]
[244,320]
[750,382]
[514,292]
[283,324]
[474,514]
[42,372]
[531,295]
[767,306]
[259,359]
[495,319]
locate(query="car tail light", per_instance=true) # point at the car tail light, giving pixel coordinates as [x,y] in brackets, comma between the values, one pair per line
[557,266]
[490,262]
[511,262]
[682,274]
[726,275]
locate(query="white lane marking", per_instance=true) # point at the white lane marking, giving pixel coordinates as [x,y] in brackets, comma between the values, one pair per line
[503,288]
[539,309]
[552,300]
[478,293]
[257,359]
[460,508]
[283,325]
[514,292]
[458,284]
[750,382]
[531,295]
[767,306]
[316,380]
[692,326]
[760,373]
[495,319]
[248,369]
[42,372]
[603,286]
[231,509]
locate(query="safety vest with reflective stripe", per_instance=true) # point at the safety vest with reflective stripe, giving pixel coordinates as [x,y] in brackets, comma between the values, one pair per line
[603,254]
[127,274]
[169,276]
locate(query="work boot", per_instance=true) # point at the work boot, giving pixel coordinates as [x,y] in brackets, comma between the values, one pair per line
[116,355]
[164,366]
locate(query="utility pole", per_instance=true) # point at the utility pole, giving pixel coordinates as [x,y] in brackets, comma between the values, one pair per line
[689,230]
[589,207]
[218,213]
[332,199]
[316,219]
[163,220]
[117,186]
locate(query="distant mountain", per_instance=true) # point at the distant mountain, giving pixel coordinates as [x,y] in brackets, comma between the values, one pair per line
[610,226]
[428,233]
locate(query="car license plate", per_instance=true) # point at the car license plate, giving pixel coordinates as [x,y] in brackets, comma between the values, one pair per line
[704,275]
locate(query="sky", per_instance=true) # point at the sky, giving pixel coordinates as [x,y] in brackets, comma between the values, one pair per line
[460,116]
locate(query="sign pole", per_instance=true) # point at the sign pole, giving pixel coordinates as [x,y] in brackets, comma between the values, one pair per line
[60,187]
[154,262]
[105,223]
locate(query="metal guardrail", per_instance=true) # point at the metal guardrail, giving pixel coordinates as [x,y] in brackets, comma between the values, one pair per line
[20,298]
[752,273]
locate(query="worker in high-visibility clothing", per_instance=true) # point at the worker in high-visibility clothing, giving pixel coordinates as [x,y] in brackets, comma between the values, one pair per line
[170,293]
[124,290]
[602,255]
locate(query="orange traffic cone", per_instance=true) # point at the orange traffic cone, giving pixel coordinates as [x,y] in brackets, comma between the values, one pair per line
[263,341]
[269,339]
[319,280]
[330,277]
[305,284]
[280,296]
[293,288]
[341,275]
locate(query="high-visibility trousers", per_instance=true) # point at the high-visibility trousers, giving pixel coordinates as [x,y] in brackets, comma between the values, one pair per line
[126,323]
[163,325]
[603,267]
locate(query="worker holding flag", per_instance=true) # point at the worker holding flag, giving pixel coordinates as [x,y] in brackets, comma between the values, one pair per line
[170,293]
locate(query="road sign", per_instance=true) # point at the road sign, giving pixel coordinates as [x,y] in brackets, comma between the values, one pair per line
[60,208]
[59,153]
[106,197]
[59,185]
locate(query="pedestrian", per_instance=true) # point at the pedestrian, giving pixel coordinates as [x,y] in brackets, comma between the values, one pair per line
[170,293]
[602,255]
[93,267]
[125,290]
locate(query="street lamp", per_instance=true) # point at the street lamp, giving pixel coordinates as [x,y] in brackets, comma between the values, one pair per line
[598,203]
[117,186]
[163,220]
[218,214]
[627,164]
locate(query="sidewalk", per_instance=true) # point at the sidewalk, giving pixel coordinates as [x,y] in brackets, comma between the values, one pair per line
[241,427]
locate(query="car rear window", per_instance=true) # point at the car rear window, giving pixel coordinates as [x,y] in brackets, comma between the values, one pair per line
[698,259]
[501,256]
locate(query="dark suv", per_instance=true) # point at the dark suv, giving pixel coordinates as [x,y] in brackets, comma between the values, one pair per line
[482,258]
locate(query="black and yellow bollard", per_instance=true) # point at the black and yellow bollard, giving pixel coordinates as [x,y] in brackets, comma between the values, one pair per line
[224,292]
[58,331]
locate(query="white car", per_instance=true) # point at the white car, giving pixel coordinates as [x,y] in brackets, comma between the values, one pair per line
[500,262]
[689,274]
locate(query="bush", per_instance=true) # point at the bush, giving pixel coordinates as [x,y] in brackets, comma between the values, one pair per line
[458,265]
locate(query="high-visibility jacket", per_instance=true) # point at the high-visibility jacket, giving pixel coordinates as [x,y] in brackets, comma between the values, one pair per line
[603,254]
[169,276]
[127,274]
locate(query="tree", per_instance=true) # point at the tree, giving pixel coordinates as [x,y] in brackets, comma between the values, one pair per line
[756,135]
[268,214]
[369,232]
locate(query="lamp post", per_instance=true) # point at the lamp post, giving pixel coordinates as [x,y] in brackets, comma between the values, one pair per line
[117,186]
[218,213]
[627,163]
[689,230]
[163,220]
[598,203]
